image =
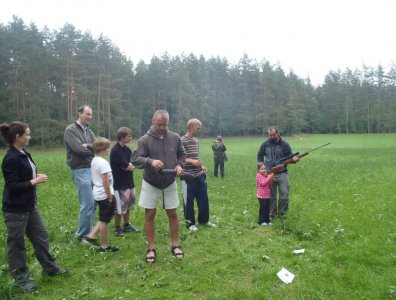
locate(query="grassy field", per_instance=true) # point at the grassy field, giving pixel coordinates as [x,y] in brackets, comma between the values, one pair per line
[342,212]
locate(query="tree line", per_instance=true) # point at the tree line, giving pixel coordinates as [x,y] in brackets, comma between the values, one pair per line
[45,75]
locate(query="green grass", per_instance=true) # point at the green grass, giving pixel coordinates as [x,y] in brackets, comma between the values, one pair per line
[342,213]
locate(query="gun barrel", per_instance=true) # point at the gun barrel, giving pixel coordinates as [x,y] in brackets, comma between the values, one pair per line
[167,172]
[321,146]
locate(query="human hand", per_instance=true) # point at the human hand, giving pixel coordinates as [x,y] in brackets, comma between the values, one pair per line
[130,167]
[196,163]
[296,159]
[204,169]
[179,171]
[157,164]
[41,178]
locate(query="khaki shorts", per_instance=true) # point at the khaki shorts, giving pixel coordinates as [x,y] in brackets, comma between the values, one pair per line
[150,196]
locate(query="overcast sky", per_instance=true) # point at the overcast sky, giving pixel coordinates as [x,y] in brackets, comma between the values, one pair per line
[311,37]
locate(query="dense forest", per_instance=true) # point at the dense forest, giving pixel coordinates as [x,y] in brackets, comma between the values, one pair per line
[46,74]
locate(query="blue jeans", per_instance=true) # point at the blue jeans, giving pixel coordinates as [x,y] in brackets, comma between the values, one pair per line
[196,188]
[82,180]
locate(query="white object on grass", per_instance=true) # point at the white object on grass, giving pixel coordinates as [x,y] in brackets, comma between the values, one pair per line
[285,275]
[298,251]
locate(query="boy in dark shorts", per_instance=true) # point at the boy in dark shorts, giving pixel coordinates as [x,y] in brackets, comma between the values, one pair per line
[102,179]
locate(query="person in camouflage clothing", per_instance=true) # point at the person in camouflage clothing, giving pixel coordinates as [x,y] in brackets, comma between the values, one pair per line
[219,156]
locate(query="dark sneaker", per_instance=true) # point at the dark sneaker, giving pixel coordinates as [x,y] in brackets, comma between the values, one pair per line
[130,228]
[93,243]
[26,286]
[119,232]
[109,248]
[59,271]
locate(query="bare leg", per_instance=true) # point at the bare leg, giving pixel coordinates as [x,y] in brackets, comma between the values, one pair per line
[174,228]
[126,217]
[94,232]
[149,227]
[117,220]
[104,235]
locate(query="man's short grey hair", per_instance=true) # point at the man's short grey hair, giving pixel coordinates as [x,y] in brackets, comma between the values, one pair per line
[162,113]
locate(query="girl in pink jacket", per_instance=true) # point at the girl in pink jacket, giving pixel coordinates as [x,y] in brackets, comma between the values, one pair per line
[263,181]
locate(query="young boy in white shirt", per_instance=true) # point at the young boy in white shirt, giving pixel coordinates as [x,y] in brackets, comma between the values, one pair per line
[102,179]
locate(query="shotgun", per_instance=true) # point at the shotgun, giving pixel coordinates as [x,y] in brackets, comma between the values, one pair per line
[289,159]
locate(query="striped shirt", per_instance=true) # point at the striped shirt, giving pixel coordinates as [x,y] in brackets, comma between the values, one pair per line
[191,146]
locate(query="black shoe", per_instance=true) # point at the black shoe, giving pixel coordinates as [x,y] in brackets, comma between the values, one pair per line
[59,271]
[26,286]
[90,242]
[109,248]
[130,228]
[119,232]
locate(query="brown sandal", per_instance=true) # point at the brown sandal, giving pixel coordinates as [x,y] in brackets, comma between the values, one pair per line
[178,255]
[151,259]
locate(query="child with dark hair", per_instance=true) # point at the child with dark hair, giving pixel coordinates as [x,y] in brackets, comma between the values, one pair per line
[263,181]
[124,187]
[103,192]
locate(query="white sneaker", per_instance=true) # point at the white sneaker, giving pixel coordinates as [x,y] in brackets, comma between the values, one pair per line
[269,224]
[193,228]
[210,225]
[264,224]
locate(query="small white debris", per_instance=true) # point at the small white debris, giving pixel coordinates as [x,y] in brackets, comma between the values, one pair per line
[285,275]
[298,251]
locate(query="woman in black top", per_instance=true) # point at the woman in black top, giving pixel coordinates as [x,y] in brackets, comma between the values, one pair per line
[21,215]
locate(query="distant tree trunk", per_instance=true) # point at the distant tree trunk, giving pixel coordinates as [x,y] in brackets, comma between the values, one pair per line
[140,118]
[179,111]
[98,102]
[265,109]
[69,91]
[368,117]
[347,113]
[220,123]
[108,109]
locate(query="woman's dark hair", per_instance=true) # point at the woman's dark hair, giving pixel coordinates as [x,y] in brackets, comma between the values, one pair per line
[10,131]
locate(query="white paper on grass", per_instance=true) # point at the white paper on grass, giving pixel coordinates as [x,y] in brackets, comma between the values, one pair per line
[285,275]
[298,251]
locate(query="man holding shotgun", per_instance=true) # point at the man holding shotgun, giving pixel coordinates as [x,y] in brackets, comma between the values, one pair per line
[160,149]
[275,149]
